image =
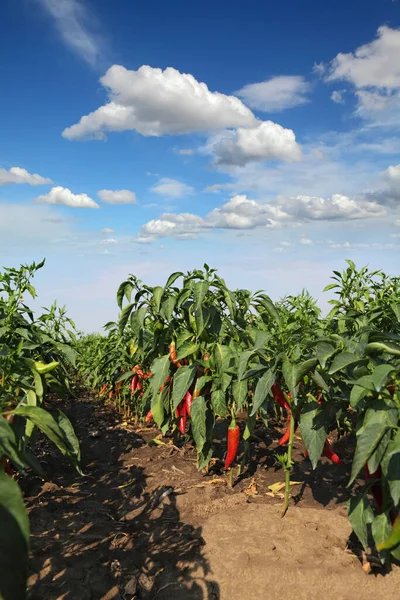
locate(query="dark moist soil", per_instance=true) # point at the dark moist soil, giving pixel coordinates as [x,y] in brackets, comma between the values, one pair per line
[143,523]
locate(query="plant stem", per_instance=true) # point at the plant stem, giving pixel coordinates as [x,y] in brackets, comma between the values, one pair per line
[288,467]
[230,478]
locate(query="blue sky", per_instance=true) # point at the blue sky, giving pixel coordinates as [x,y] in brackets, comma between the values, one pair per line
[262,138]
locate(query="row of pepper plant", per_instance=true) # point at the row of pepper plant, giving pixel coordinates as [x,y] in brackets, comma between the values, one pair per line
[37,361]
[193,351]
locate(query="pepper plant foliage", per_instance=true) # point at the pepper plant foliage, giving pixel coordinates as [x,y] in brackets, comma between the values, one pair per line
[234,351]
[36,359]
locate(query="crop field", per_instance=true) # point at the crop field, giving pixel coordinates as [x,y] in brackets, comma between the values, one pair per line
[209,444]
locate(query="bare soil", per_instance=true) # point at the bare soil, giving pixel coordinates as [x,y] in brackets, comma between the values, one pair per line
[143,523]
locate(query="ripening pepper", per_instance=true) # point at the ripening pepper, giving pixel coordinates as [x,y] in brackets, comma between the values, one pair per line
[279,396]
[180,414]
[188,402]
[43,368]
[149,417]
[134,383]
[233,443]
[328,452]
[286,436]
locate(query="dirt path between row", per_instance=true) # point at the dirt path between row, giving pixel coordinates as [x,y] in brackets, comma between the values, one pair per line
[144,524]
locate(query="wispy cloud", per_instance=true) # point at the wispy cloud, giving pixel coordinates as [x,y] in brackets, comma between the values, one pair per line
[78,27]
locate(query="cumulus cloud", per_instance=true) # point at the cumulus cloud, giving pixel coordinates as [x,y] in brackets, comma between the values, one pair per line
[337,96]
[155,102]
[242,213]
[375,64]
[108,241]
[61,195]
[266,141]
[337,207]
[374,71]
[75,22]
[276,94]
[389,193]
[172,188]
[108,230]
[18,175]
[117,196]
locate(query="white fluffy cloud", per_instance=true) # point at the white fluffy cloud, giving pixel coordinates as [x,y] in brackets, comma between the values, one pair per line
[375,64]
[117,196]
[61,195]
[374,71]
[389,194]
[266,141]
[108,230]
[172,188]
[276,94]
[242,213]
[155,102]
[18,175]
[337,97]
[337,207]
[75,22]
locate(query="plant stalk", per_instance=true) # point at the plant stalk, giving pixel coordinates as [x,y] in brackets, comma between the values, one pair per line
[288,467]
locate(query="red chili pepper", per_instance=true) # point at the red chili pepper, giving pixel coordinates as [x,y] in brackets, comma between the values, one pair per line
[279,397]
[172,353]
[390,389]
[330,453]
[188,402]
[149,417]
[134,383]
[376,488]
[286,436]
[166,381]
[233,443]
[180,414]
[139,386]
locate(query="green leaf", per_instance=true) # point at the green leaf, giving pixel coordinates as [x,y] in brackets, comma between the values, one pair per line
[386,347]
[313,432]
[172,278]
[380,530]
[304,368]
[380,375]
[38,384]
[58,429]
[331,286]
[243,361]
[157,409]
[289,375]
[396,309]
[341,361]
[160,368]
[9,444]
[376,423]
[223,356]
[202,317]
[198,421]
[320,381]
[183,379]
[262,390]
[167,307]
[156,298]
[324,351]
[14,540]
[219,403]
[186,350]
[360,516]
[357,393]
[200,291]
[124,316]
[239,392]
[261,340]
[391,467]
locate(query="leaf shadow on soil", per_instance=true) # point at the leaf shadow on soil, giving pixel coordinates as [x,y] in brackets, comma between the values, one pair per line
[107,535]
